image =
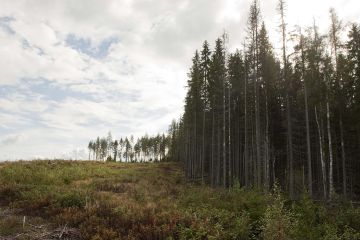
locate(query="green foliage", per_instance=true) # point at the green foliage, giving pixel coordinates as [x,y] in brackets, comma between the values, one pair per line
[9,226]
[350,234]
[278,221]
[307,216]
[9,193]
[72,200]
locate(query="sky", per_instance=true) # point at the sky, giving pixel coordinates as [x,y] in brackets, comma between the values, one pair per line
[74,70]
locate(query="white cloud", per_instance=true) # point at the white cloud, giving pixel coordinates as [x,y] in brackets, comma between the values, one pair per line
[12,139]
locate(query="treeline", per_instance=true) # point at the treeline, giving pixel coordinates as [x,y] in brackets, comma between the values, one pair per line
[144,149]
[257,119]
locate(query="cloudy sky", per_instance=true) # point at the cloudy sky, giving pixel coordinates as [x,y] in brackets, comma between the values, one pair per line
[73,70]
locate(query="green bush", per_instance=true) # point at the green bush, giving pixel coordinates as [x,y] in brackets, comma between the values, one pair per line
[72,200]
[9,193]
[350,234]
[9,226]
[278,222]
[310,218]
[241,228]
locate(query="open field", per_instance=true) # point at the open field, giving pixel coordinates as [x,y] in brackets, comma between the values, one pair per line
[96,200]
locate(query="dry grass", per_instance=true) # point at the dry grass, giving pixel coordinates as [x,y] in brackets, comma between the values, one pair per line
[96,200]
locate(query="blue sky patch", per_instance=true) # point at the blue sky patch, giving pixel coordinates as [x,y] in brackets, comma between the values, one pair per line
[51,91]
[5,24]
[86,46]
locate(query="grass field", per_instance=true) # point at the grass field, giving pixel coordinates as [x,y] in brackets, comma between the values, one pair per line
[96,200]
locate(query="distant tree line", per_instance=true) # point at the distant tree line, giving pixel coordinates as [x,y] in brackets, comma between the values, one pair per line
[143,149]
[257,119]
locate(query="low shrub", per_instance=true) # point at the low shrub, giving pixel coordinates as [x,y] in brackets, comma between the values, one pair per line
[9,193]
[278,222]
[9,226]
[72,200]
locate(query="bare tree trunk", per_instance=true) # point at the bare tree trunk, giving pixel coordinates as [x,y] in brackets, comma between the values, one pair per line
[224,136]
[253,156]
[267,142]
[331,179]
[212,149]
[257,116]
[342,153]
[257,134]
[187,153]
[225,41]
[246,155]
[335,30]
[203,148]
[246,158]
[290,148]
[303,176]
[229,160]
[323,168]
[273,170]
[195,158]
[308,144]
[218,170]
[288,105]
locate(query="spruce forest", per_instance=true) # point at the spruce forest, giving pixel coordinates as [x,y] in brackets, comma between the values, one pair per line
[258,118]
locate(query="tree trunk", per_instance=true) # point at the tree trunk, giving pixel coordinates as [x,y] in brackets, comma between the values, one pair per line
[212,149]
[257,114]
[229,139]
[187,153]
[224,135]
[323,168]
[195,158]
[290,148]
[218,170]
[246,158]
[288,105]
[203,148]
[225,39]
[331,179]
[257,135]
[267,142]
[308,144]
[342,153]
